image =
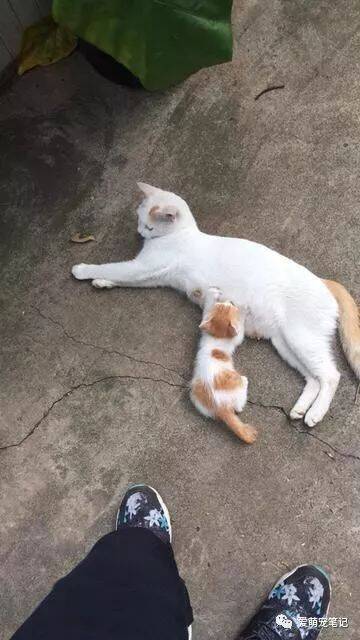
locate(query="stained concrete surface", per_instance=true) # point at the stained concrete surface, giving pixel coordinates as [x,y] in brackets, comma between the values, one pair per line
[92,393]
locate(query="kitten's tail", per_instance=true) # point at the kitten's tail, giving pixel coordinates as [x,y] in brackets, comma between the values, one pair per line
[245,432]
[349,326]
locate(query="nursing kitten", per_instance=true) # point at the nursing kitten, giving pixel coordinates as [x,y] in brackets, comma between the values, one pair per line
[217,390]
[285,302]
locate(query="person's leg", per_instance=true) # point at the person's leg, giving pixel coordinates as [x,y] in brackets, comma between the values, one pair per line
[127,588]
[295,608]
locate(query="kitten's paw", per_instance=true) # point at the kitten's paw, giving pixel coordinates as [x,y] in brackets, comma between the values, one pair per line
[249,434]
[296,414]
[102,284]
[312,417]
[79,271]
[215,293]
[197,296]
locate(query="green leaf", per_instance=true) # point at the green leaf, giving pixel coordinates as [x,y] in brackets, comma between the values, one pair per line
[160,41]
[44,43]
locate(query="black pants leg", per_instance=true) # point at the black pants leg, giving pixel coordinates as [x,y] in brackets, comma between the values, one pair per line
[127,588]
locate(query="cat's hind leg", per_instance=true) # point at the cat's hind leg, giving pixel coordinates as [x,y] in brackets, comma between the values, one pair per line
[312,386]
[314,352]
[241,395]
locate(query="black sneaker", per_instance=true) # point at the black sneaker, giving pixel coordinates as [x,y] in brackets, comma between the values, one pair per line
[142,506]
[295,609]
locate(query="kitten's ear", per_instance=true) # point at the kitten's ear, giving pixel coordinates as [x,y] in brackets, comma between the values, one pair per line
[231,330]
[205,325]
[147,189]
[168,213]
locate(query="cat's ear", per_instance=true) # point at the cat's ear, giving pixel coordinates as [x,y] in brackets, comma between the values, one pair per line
[147,189]
[232,330]
[168,213]
[205,325]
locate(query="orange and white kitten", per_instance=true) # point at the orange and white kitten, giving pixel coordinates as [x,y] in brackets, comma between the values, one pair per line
[217,390]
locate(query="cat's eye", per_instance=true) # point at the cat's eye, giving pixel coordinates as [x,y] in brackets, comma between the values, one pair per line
[149,228]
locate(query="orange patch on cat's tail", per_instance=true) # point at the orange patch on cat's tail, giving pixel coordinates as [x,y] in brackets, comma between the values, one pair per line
[244,431]
[349,326]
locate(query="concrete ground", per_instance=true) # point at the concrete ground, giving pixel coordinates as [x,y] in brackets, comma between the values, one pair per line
[92,389]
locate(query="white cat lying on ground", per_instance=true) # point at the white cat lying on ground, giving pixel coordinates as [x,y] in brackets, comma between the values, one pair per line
[285,302]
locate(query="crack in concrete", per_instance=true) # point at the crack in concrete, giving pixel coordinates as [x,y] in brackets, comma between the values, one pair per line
[274,87]
[68,335]
[275,407]
[83,385]
[306,432]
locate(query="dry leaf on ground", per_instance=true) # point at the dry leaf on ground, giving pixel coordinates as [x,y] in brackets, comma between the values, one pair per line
[80,239]
[44,43]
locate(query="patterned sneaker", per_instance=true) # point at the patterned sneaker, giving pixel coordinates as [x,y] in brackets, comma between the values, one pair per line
[142,506]
[295,609]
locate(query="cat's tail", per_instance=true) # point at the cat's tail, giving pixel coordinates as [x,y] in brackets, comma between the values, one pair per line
[349,325]
[245,432]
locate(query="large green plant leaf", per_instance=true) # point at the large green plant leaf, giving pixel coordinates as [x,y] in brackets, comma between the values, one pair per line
[160,41]
[44,43]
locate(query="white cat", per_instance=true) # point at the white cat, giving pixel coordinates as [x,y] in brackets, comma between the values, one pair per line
[217,389]
[286,303]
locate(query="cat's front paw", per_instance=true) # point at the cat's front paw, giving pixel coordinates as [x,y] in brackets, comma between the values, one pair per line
[99,283]
[79,271]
